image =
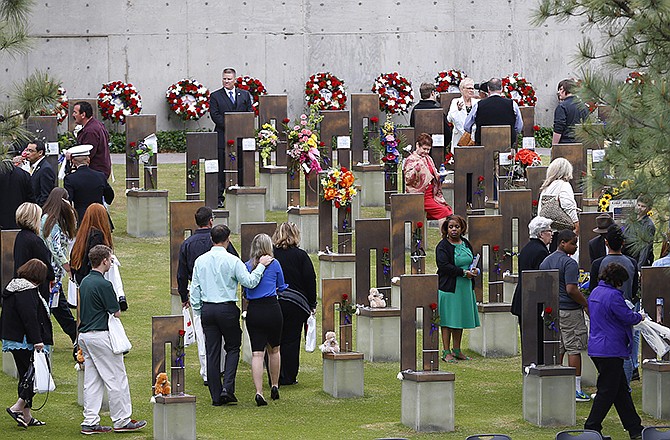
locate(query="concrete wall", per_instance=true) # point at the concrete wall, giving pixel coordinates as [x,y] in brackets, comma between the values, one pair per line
[155,43]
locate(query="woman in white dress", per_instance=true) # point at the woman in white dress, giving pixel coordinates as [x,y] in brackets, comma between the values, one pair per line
[459,109]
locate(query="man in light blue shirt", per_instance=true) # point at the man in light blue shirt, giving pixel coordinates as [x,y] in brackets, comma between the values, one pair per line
[216,274]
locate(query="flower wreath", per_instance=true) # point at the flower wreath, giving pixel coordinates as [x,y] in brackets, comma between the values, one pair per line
[117,100]
[338,186]
[255,88]
[449,80]
[635,78]
[519,89]
[395,92]
[327,90]
[188,99]
[60,109]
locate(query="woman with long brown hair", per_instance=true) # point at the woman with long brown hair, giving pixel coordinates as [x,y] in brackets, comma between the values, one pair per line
[57,228]
[94,229]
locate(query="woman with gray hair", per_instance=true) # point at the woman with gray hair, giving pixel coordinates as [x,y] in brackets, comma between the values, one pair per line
[557,184]
[264,317]
[460,108]
[531,255]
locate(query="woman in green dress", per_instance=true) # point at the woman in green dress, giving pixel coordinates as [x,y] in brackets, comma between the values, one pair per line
[456,296]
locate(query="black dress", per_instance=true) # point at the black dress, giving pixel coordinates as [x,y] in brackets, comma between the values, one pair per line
[530,257]
[300,276]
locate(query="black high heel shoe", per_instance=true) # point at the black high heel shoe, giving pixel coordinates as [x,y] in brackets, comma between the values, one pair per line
[274,393]
[260,400]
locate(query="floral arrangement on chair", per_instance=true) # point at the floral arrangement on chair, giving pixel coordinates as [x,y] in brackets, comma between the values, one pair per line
[192,172]
[395,93]
[188,99]
[255,88]
[434,318]
[303,142]
[449,80]
[346,307]
[59,110]
[519,89]
[523,159]
[326,90]
[338,186]
[267,139]
[548,319]
[417,238]
[117,100]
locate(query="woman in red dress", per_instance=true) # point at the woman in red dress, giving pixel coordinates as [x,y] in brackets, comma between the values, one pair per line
[421,177]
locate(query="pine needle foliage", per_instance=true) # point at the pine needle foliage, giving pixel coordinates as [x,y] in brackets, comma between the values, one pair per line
[623,36]
[38,91]
[14,14]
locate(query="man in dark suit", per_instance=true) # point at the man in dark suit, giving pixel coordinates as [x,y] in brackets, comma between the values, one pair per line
[226,100]
[429,100]
[15,189]
[494,110]
[84,185]
[597,245]
[42,174]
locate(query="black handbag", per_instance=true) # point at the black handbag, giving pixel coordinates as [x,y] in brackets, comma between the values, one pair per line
[295,297]
[26,383]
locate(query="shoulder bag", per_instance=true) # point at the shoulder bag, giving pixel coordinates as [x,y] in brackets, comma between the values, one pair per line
[551,209]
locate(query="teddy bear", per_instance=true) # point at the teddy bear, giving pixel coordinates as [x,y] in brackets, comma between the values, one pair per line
[162,386]
[330,345]
[376,299]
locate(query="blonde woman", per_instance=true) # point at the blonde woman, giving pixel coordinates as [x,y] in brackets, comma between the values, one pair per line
[264,317]
[460,108]
[557,183]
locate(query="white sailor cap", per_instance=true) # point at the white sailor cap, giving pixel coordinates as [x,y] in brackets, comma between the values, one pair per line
[80,150]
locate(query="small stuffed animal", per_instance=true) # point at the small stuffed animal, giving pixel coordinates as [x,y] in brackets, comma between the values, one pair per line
[330,345]
[376,299]
[162,386]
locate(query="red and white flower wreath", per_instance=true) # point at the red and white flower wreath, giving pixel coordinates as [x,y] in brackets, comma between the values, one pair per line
[59,109]
[254,86]
[395,92]
[188,99]
[449,80]
[519,89]
[326,90]
[117,100]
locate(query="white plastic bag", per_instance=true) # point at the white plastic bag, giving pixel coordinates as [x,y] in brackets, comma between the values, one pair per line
[310,339]
[114,276]
[43,382]
[117,335]
[189,335]
[653,335]
[71,292]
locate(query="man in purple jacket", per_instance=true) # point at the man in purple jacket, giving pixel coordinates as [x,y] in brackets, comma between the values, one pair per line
[610,339]
[93,133]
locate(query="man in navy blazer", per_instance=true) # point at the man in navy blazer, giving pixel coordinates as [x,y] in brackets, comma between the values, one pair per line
[85,185]
[42,175]
[225,100]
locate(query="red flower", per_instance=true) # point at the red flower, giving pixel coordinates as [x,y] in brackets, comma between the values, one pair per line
[548,310]
[374,119]
[536,127]
[385,250]
[480,179]
[345,297]
[433,306]
[194,162]
[181,332]
[534,202]
[322,144]
[348,208]
[231,142]
[419,225]
[132,144]
[496,248]
[286,120]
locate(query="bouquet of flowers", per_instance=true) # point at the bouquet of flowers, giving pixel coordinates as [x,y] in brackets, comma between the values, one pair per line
[188,99]
[326,90]
[59,110]
[338,186]
[303,142]
[395,93]
[449,80]
[519,89]
[255,88]
[267,139]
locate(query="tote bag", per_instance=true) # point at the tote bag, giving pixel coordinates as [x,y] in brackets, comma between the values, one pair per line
[43,382]
[551,209]
[117,335]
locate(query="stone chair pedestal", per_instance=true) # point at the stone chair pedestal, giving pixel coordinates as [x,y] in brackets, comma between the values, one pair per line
[307,220]
[656,389]
[174,418]
[427,401]
[371,180]
[147,213]
[497,335]
[245,205]
[273,178]
[337,266]
[378,334]
[343,374]
[549,396]
[8,365]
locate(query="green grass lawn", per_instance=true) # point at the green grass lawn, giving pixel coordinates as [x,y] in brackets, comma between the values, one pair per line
[488,391]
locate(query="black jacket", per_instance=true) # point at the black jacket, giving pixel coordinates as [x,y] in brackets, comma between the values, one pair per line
[495,110]
[43,181]
[298,272]
[15,189]
[24,314]
[568,113]
[29,245]
[446,270]
[530,257]
[86,186]
[597,248]
[220,103]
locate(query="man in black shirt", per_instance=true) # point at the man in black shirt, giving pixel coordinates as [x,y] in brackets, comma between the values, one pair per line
[429,100]
[570,111]
[494,110]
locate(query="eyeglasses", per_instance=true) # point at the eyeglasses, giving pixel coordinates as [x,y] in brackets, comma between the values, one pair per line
[30,150]
[469,88]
